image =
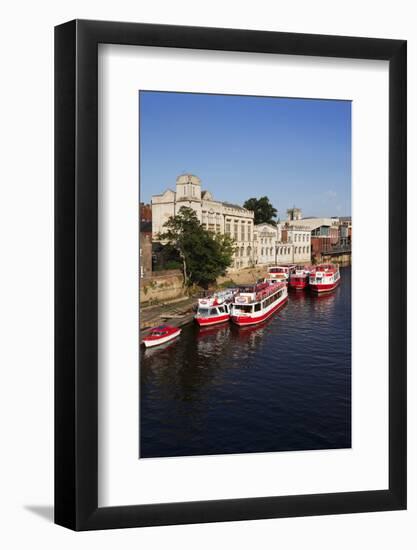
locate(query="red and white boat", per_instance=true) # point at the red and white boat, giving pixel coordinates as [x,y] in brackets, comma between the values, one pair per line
[256,303]
[280,272]
[214,309]
[161,335]
[324,277]
[299,279]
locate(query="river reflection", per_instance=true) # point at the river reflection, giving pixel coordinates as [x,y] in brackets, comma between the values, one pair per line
[281,385]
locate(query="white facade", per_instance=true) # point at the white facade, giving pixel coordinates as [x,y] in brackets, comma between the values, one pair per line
[280,244]
[215,216]
[266,238]
[263,244]
[299,238]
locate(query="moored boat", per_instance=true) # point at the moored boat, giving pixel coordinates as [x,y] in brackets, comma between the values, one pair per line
[324,277]
[299,279]
[255,303]
[214,309]
[160,335]
[280,272]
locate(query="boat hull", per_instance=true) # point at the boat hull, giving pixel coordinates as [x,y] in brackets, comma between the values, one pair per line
[157,342]
[325,287]
[298,285]
[246,320]
[209,321]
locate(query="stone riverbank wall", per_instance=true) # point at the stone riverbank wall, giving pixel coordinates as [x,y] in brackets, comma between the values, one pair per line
[161,286]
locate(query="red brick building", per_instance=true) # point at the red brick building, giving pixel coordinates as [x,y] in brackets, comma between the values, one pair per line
[145,240]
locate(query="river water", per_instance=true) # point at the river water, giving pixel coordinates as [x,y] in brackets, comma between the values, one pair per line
[279,386]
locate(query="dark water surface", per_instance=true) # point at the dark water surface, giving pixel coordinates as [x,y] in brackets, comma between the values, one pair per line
[282,385]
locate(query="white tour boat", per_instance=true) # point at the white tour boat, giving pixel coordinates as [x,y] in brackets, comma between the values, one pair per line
[281,272]
[256,303]
[214,309]
[324,278]
[299,279]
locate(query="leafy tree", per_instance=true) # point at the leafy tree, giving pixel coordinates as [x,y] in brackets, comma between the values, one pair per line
[204,255]
[263,209]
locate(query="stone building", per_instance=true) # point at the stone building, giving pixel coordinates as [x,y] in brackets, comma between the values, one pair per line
[145,240]
[324,233]
[262,244]
[281,244]
[145,255]
[294,214]
[299,239]
[214,215]
[265,241]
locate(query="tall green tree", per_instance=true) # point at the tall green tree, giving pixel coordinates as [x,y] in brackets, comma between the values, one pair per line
[204,255]
[263,209]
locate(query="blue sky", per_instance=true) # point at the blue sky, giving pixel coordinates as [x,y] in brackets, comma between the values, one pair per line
[295,151]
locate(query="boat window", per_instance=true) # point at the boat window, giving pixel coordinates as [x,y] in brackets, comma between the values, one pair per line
[243,309]
[258,307]
[221,309]
[213,311]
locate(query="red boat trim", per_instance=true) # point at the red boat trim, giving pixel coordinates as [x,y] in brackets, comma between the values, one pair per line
[212,320]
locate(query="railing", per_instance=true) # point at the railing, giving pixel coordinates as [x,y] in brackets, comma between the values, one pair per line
[337,249]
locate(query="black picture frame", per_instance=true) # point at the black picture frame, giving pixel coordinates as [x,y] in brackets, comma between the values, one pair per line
[76,272]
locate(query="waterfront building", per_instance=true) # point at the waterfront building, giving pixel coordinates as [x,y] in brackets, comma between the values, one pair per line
[265,242]
[262,244]
[216,216]
[145,240]
[323,233]
[299,239]
[281,244]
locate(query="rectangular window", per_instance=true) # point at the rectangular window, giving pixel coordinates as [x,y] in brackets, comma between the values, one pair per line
[242,232]
[227,228]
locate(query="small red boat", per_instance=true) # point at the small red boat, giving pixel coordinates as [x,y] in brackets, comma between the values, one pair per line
[324,278]
[299,279]
[161,335]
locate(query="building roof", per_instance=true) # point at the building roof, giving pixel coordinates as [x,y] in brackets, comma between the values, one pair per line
[231,205]
[258,226]
[311,223]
